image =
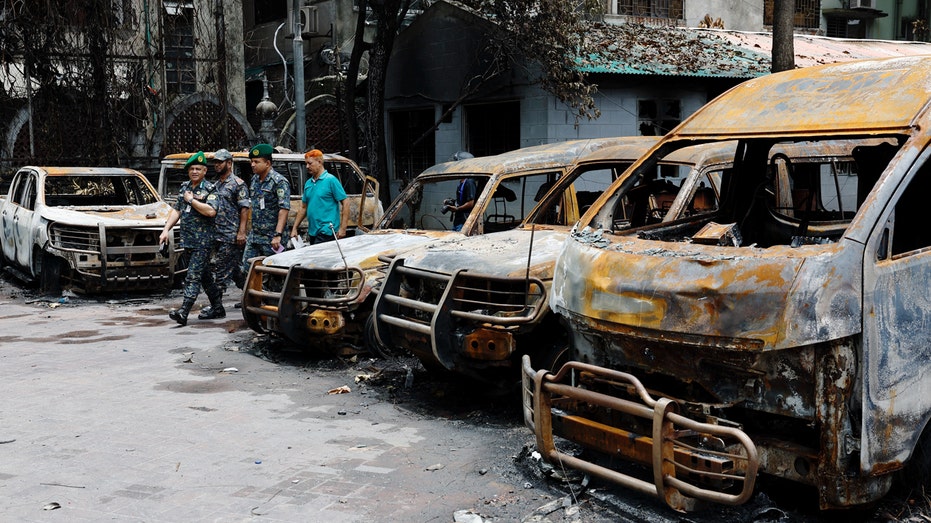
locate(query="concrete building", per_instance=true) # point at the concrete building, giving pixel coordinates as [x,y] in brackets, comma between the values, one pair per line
[178,66]
[651,74]
[173,68]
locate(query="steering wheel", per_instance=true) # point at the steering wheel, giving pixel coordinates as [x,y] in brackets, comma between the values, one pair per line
[442,224]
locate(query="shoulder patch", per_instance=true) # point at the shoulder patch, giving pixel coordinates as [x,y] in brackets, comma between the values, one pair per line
[280,193]
[211,196]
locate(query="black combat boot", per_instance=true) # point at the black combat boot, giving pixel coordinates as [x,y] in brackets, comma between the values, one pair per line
[239,278]
[215,311]
[180,315]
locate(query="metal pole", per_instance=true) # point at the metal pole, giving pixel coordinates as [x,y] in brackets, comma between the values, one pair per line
[222,78]
[300,119]
[32,138]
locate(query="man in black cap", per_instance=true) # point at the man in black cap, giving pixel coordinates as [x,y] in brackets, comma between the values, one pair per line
[231,220]
[270,200]
[195,208]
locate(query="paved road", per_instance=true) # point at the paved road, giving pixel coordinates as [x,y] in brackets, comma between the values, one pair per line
[113,412]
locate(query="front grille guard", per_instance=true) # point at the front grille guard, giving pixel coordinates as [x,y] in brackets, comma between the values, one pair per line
[469,296]
[496,300]
[260,306]
[415,313]
[323,287]
[107,264]
[86,240]
[678,466]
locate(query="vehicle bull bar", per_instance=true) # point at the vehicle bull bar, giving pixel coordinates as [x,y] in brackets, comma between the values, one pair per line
[678,466]
[259,305]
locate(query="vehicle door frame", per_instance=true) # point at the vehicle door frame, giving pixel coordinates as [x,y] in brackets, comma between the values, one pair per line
[9,215]
[895,354]
[24,218]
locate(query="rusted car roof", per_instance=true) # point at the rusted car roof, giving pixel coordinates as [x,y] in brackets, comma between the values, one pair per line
[183,157]
[558,154]
[70,171]
[801,103]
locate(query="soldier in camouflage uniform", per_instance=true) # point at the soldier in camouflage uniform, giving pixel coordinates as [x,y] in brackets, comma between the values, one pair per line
[232,217]
[270,197]
[195,208]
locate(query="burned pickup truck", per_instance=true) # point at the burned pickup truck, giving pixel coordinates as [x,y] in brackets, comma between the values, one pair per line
[89,228]
[786,332]
[320,296]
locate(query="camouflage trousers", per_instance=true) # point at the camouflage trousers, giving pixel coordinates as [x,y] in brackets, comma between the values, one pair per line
[226,264]
[199,274]
[255,248]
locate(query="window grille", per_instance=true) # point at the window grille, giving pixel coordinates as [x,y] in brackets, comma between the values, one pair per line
[807,13]
[647,8]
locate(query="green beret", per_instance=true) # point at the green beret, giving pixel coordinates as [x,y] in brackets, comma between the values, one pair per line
[261,150]
[199,158]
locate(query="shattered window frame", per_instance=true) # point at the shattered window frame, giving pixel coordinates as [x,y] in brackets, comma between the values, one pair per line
[751,199]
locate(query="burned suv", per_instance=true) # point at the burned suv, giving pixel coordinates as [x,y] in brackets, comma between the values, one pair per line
[320,296]
[474,305]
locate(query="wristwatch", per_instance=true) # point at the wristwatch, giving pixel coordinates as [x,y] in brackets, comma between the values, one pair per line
[276,234]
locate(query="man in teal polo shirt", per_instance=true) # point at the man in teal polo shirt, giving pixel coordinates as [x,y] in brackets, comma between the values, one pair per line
[322,203]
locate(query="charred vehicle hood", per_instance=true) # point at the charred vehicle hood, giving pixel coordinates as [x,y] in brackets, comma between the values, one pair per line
[499,254]
[777,297]
[359,251]
[151,215]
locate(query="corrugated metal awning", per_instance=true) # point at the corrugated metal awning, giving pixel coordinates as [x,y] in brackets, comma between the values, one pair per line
[675,51]
[640,49]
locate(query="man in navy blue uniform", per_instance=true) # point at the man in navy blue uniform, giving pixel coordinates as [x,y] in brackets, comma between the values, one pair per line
[231,221]
[195,208]
[270,200]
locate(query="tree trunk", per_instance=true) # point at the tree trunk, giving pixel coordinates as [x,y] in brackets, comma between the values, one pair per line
[347,101]
[221,74]
[783,35]
[388,15]
[375,149]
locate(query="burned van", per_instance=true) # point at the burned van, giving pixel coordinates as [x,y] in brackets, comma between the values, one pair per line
[320,297]
[786,332]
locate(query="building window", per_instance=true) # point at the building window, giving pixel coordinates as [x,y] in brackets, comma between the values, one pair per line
[492,128]
[270,10]
[180,74]
[845,28]
[807,13]
[408,127]
[658,116]
[647,8]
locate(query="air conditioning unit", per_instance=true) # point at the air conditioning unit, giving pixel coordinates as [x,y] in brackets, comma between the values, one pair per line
[310,22]
[862,4]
